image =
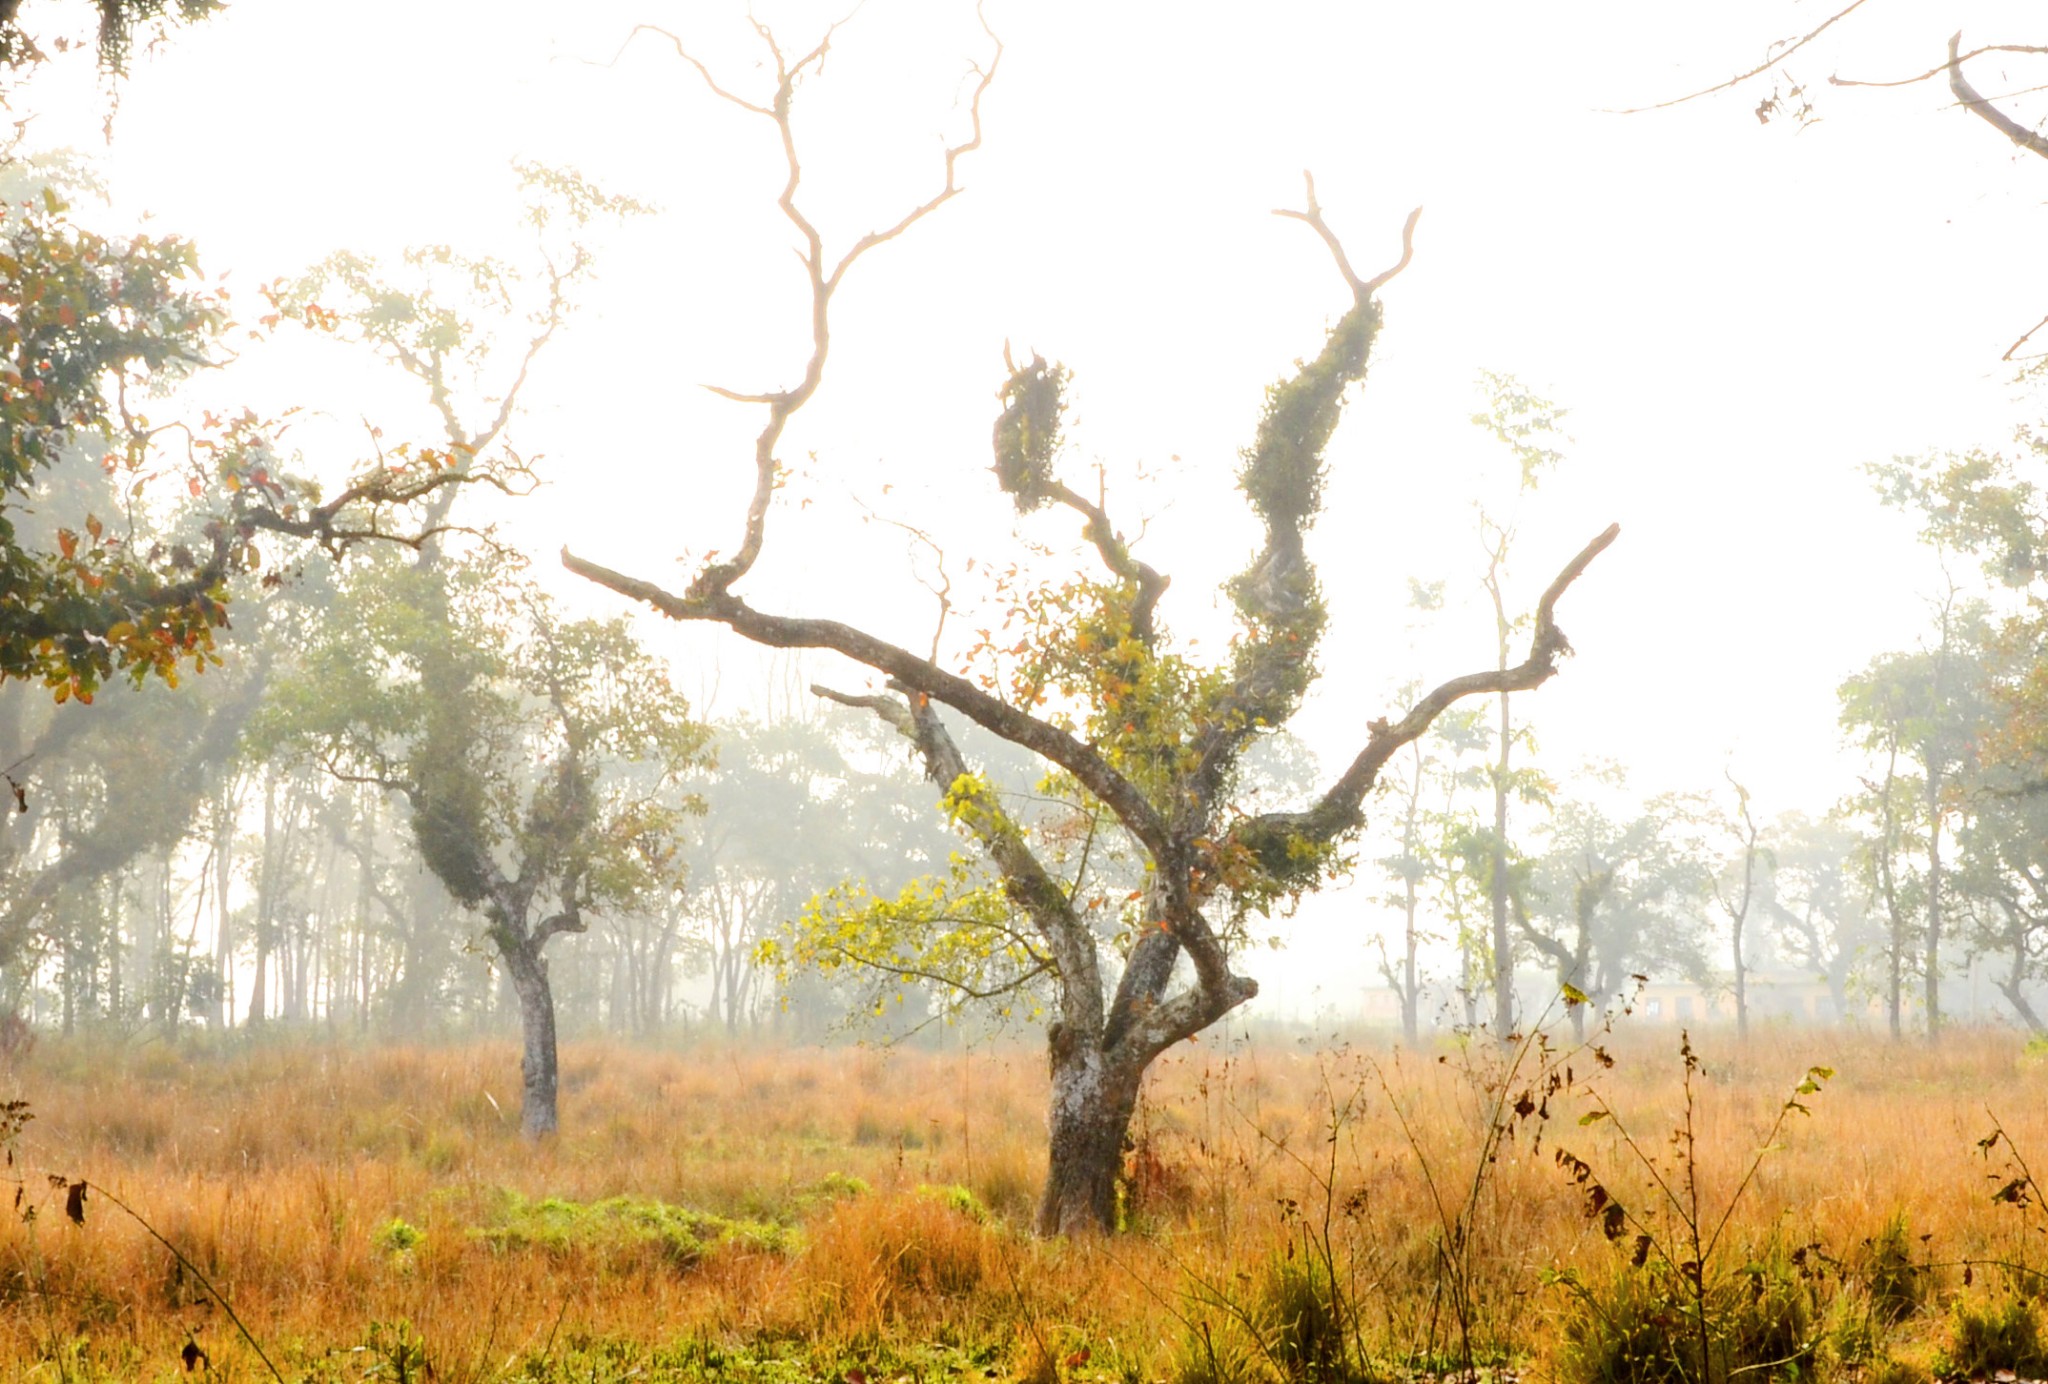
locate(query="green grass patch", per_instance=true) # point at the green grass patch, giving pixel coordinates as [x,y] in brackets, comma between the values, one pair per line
[630,1225]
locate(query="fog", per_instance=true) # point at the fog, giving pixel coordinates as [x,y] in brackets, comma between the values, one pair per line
[426,775]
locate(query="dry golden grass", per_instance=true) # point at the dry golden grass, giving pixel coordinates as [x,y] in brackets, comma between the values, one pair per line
[278,1172]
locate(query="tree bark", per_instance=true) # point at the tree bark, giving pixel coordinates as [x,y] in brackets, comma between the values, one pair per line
[538,1067]
[1092,1104]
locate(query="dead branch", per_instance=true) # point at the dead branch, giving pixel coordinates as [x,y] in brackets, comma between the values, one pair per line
[1338,811]
[2025,337]
[717,577]
[2030,140]
[1117,557]
[1739,78]
[1932,72]
[1312,216]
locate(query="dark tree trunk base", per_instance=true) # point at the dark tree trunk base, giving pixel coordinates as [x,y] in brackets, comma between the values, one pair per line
[1092,1105]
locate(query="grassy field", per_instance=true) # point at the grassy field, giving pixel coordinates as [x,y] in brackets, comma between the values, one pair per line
[1334,1211]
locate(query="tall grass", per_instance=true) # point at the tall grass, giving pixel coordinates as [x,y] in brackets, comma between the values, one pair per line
[849,1205]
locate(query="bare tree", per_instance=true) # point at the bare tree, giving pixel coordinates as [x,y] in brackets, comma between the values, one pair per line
[1130,726]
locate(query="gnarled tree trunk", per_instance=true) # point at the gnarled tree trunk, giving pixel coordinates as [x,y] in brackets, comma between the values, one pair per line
[1093,1100]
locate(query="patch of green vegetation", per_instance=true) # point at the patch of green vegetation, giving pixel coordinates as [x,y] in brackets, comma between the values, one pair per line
[1987,1337]
[839,1187]
[679,1235]
[1897,1286]
[397,1236]
[579,1357]
[960,1199]
[1643,1326]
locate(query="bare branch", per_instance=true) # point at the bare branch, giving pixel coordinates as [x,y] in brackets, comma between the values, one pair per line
[2030,140]
[917,674]
[687,56]
[1361,289]
[942,589]
[1739,78]
[1117,557]
[954,153]
[740,396]
[570,919]
[1314,217]
[781,404]
[1338,810]
[1183,1016]
[1379,280]
[1933,72]
[1040,967]
[2013,349]
[557,310]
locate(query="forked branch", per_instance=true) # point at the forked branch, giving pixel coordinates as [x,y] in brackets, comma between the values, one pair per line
[718,577]
[1312,216]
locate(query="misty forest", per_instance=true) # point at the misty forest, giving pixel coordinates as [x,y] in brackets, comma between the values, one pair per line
[695,692]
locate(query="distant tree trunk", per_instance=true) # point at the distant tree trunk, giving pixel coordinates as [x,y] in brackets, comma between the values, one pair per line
[1497,883]
[538,1066]
[366,898]
[1468,978]
[68,981]
[2013,987]
[1738,907]
[221,1014]
[1934,782]
[620,1011]
[266,903]
[1405,983]
[660,970]
[411,989]
[1411,992]
[1887,881]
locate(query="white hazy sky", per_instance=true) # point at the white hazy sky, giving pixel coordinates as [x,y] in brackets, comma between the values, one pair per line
[1739,317]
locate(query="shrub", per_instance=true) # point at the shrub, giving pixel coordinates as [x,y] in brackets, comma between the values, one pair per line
[1642,1326]
[2001,1335]
[1884,1266]
[398,1237]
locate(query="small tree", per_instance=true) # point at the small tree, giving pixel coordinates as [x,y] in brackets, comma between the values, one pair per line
[1141,741]
[505,728]
[1528,425]
[1740,887]
[1434,776]
[1612,900]
[1819,907]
